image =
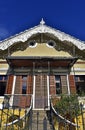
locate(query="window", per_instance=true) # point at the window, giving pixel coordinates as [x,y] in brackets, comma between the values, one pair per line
[79,78]
[82,78]
[32,44]
[3,77]
[51,44]
[80,84]
[58,84]
[3,81]
[24,84]
[76,78]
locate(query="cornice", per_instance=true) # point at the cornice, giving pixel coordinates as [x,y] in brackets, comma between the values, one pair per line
[41,28]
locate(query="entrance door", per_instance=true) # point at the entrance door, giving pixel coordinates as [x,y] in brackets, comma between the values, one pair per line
[41,91]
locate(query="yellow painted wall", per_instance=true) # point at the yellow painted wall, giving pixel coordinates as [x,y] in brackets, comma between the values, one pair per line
[78,68]
[3,67]
[41,50]
[80,64]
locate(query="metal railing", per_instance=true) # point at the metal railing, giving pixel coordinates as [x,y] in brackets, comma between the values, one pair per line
[15,117]
[19,117]
[67,123]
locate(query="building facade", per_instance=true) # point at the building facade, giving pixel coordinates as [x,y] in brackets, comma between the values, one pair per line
[41,63]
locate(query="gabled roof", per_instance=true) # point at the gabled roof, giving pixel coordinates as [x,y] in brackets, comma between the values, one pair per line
[41,28]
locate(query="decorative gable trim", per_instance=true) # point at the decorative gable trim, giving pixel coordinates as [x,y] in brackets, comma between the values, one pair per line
[41,28]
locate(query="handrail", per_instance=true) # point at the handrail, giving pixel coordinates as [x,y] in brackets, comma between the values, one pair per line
[15,121]
[62,118]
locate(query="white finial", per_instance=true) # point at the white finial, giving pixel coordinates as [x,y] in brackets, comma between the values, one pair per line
[42,22]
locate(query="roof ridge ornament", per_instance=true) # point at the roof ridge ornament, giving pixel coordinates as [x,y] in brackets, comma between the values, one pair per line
[42,22]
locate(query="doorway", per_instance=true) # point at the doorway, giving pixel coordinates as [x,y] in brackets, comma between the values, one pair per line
[40,91]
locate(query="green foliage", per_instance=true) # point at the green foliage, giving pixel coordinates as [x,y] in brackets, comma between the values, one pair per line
[68,105]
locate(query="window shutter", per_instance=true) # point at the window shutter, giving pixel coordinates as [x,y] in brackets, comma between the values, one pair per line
[72,84]
[30,85]
[52,85]
[9,84]
[18,90]
[29,90]
[64,84]
[18,85]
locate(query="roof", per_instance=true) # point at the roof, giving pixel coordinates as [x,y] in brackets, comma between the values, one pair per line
[41,28]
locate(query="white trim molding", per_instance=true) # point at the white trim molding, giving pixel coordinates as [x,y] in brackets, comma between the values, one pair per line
[13,89]
[48,91]
[34,92]
[68,85]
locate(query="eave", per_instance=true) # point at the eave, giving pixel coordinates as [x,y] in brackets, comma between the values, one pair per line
[15,62]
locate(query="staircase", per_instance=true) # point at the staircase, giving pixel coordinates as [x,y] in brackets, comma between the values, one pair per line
[39,117]
[40,121]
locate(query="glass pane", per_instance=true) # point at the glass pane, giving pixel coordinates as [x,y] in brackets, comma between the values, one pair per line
[58,88]
[24,77]
[58,84]
[5,77]
[82,78]
[57,78]
[1,77]
[76,78]
[24,88]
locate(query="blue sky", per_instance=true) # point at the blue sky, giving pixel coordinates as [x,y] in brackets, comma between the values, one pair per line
[65,15]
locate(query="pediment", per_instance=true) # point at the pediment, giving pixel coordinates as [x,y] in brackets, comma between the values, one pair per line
[42,29]
[42,34]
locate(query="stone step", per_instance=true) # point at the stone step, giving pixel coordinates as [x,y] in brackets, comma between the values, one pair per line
[40,120]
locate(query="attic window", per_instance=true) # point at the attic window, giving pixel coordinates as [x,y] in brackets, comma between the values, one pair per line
[51,44]
[32,44]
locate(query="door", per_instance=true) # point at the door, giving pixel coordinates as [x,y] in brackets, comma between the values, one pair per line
[41,92]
